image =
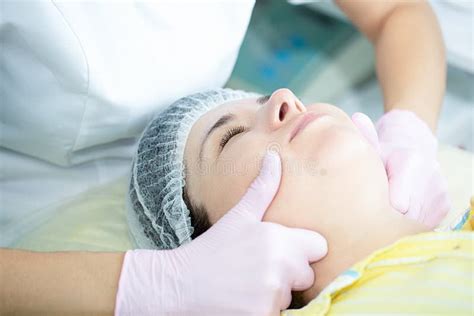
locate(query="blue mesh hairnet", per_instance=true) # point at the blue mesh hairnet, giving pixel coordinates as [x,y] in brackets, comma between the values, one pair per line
[157,215]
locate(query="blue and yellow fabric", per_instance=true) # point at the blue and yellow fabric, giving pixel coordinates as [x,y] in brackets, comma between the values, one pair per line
[425,274]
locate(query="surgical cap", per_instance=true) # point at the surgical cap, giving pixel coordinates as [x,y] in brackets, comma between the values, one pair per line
[157,214]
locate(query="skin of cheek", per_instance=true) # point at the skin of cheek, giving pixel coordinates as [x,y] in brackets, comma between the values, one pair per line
[232,174]
[228,179]
[313,177]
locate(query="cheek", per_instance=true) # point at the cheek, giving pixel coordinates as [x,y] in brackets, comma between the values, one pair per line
[339,163]
[231,175]
[291,206]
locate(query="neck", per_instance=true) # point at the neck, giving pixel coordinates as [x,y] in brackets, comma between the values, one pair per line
[354,242]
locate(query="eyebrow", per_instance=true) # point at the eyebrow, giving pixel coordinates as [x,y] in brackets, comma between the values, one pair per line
[263,100]
[220,122]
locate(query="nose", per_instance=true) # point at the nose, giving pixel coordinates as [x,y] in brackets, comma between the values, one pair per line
[282,106]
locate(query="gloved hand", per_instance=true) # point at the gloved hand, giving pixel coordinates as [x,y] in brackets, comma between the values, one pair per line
[408,149]
[241,266]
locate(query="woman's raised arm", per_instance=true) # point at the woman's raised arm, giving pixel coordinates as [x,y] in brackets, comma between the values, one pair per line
[59,282]
[253,266]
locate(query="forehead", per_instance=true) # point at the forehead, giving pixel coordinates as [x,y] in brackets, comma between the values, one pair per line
[235,107]
[203,124]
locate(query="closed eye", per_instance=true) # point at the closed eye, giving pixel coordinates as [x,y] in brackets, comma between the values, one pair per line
[229,134]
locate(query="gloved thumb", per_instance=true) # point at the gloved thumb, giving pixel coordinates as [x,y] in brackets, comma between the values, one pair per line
[367,129]
[263,189]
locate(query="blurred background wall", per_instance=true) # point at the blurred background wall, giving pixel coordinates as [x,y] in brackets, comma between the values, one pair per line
[312,49]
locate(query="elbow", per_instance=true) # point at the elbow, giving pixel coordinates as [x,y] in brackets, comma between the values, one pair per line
[399,9]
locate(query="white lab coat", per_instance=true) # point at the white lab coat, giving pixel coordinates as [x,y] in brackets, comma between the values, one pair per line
[80,80]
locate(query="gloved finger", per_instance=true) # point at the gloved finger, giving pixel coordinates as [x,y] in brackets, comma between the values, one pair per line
[285,300]
[303,277]
[263,189]
[401,180]
[441,210]
[436,204]
[367,129]
[309,244]
[442,203]
[414,209]
[399,190]
[435,214]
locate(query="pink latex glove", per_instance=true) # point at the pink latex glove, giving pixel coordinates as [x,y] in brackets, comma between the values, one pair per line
[408,149]
[241,266]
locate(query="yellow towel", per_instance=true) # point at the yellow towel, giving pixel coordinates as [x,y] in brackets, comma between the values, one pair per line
[425,274]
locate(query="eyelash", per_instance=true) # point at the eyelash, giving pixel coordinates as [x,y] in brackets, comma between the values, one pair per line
[231,133]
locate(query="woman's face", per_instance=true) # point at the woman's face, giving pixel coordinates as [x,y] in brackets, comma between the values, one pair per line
[326,162]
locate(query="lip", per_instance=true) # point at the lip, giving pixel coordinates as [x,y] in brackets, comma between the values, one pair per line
[307,118]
